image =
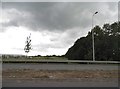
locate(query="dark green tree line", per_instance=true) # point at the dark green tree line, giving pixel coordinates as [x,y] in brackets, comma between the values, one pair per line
[107,44]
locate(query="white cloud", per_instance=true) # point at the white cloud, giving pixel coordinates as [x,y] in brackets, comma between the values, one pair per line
[13,42]
[13,39]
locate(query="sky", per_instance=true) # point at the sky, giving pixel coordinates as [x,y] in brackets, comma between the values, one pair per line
[54,26]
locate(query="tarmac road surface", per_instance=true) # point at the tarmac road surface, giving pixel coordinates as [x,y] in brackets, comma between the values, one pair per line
[61,83]
[37,66]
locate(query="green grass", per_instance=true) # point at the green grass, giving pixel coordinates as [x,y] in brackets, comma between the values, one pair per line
[49,58]
[36,58]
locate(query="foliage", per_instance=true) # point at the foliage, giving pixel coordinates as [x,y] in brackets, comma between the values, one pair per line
[107,41]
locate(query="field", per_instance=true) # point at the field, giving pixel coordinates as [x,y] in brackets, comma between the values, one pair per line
[53,60]
[59,74]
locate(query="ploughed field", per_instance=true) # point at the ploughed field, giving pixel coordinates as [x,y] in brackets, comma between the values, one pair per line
[59,74]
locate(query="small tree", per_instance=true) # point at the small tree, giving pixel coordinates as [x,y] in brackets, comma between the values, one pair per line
[28,44]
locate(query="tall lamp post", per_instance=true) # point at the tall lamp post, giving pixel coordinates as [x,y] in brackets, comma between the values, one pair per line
[93,37]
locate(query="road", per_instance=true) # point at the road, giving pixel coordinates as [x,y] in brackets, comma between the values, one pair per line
[85,82]
[59,83]
[37,66]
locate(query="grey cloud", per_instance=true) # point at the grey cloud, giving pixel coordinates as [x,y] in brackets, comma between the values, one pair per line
[56,16]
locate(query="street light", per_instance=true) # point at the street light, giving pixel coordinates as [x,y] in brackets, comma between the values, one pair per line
[93,37]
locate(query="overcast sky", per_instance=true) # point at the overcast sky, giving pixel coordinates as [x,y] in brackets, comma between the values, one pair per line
[54,26]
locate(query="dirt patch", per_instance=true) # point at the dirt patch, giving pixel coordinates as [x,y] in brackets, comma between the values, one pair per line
[61,74]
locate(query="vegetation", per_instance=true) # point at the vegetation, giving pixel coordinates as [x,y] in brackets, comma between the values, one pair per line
[107,41]
[23,58]
[49,57]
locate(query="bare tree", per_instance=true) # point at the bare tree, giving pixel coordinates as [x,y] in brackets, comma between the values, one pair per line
[28,44]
